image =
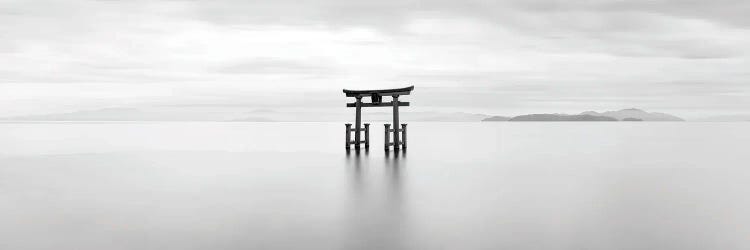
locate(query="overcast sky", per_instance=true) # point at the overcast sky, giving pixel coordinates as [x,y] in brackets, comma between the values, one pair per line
[687,57]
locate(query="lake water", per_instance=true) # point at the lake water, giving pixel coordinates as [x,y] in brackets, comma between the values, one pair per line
[177,185]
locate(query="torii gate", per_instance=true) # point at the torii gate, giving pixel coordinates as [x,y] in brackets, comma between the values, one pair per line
[376,100]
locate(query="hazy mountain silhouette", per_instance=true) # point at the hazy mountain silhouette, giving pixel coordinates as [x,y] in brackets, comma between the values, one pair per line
[234,115]
[561,118]
[630,119]
[635,113]
[106,114]
[449,117]
[371,115]
[497,119]
[126,114]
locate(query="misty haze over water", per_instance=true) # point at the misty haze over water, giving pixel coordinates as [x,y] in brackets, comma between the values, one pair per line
[208,185]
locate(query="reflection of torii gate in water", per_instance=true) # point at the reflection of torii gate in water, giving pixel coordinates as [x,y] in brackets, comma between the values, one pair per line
[376,100]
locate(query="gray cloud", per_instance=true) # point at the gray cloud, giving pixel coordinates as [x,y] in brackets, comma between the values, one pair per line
[585,22]
[386,12]
[275,66]
[515,53]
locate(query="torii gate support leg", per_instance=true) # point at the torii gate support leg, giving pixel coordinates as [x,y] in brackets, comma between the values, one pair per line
[367,135]
[403,134]
[358,123]
[396,129]
[387,139]
[348,135]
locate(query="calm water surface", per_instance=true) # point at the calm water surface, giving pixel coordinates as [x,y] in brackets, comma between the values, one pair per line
[292,186]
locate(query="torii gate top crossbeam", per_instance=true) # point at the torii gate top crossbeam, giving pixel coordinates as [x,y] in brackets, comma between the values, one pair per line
[379,92]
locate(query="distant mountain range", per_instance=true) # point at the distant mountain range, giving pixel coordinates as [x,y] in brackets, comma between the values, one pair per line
[621,115]
[561,118]
[497,119]
[125,114]
[446,117]
[257,115]
[287,115]
[637,114]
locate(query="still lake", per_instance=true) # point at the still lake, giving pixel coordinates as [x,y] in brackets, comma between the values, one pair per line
[221,185]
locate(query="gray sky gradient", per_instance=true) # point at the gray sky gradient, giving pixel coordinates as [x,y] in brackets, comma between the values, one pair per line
[686,57]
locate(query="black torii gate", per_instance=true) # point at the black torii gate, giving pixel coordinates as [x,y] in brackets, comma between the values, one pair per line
[376,100]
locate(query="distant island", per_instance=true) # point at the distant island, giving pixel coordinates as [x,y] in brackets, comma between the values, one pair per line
[561,118]
[629,119]
[496,119]
[634,113]
[631,114]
